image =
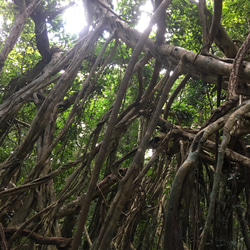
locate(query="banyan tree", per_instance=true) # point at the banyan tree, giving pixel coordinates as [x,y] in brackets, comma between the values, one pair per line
[121,138]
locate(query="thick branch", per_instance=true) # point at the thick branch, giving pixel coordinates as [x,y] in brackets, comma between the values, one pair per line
[237,67]
[57,241]
[3,243]
[216,21]
[42,40]
[204,23]
[201,64]
[16,31]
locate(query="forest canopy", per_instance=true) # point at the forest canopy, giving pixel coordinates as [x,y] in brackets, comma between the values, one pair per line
[129,134]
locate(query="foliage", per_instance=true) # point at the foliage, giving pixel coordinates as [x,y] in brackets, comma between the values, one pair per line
[236,18]
[183,25]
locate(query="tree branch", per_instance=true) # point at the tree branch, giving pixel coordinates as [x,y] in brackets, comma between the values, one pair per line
[16,31]
[215,21]
[57,241]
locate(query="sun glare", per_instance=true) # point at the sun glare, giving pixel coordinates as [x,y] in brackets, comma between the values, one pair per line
[74,18]
[146,11]
[149,153]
